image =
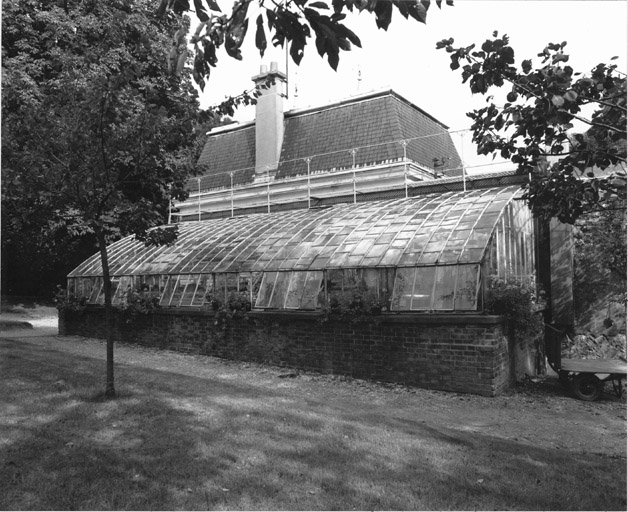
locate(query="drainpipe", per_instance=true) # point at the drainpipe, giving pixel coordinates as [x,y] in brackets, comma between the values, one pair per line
[308,160]
[353,152]
[404,143]
[231,177]
[464,173]
[198,180]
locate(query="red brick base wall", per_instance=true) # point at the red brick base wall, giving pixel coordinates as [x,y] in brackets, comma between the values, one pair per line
[464,353]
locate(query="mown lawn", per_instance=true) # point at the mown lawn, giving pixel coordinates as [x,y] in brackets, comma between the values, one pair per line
[174,441]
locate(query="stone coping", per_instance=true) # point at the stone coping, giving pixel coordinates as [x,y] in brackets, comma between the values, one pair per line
[388,318]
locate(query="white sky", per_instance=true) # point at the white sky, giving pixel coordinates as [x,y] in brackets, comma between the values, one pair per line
[405,59]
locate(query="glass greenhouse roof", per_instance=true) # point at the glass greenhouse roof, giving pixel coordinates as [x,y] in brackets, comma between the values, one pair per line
[450,228]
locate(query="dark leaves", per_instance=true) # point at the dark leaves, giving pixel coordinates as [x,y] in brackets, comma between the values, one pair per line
[383,13]
[538,118]
[331,36]
[260,35]
[287,27]
[201,13]
[236,29]
[164,235]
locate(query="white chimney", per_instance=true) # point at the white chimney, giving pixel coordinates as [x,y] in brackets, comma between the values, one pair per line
[268,121]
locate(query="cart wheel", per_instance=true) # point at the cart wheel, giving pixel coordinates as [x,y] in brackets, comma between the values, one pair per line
[618,387]
[587,386]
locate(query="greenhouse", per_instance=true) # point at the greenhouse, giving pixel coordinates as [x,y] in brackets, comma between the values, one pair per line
[430,253]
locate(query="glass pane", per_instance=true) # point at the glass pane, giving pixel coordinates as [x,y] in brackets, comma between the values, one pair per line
[402,293]
[96,291]
[423,288]
[444,287]
[351,279]
[295,290]
[204,287]
[71,289]
[312,292]
[178,290]
[334,280]
[266,289]
[386,285]
[279,292]
[232,283]
[370,279]
[168,290]
[256,281]
[190,289]
[123,286]
[220,283]
[467,288]
[86,287]
[100,294]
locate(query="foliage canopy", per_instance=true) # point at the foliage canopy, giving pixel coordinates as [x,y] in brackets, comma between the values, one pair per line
[571,173]
[288,24]
[97,138]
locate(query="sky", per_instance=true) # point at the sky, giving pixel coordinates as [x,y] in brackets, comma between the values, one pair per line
[405,59]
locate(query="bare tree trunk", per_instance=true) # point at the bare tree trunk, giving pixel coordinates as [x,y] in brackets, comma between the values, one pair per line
[110,390]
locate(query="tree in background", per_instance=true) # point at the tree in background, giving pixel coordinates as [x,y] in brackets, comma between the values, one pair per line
[600,261]
[97,138]
[567,131]
[571,173]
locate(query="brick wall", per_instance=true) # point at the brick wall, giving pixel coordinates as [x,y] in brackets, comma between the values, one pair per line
[464,353]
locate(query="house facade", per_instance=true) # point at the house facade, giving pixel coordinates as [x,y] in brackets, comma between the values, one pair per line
[343,239]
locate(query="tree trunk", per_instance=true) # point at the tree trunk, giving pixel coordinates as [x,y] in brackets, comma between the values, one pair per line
[110,390]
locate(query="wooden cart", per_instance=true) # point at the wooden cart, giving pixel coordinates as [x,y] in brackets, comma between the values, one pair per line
[585,377]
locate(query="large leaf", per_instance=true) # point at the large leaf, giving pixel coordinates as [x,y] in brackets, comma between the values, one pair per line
[236,29]
[213,5]
[260,36]
[383,13]
[200,10]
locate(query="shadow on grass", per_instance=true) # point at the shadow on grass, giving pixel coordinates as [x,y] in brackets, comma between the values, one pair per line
[171,441]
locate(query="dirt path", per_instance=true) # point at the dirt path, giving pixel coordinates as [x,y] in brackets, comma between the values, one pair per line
[540,414]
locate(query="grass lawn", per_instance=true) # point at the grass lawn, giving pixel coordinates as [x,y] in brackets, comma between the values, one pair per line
[177,441]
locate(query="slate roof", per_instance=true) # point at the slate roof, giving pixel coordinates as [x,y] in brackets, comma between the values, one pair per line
[374,124]
[224,153]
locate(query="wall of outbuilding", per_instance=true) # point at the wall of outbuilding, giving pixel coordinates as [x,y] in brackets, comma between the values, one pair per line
[462,353]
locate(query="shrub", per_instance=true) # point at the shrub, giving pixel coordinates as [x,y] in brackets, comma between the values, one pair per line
[69,302]
[138,302]
[237,305]
[519,304]
[356,306]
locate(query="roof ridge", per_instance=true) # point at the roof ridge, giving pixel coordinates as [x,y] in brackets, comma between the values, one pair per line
[368,96]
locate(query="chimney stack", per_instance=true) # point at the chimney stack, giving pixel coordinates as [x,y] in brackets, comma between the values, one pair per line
[268,121]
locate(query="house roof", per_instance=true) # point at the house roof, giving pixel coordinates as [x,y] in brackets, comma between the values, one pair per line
[449,228]
[374,124]
[227,152]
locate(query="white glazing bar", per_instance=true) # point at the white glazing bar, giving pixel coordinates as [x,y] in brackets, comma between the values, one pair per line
[463,217]
[475,225]
[442,209]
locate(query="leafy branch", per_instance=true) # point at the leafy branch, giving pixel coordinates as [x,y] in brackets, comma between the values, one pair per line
[532,128]
[288,23]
